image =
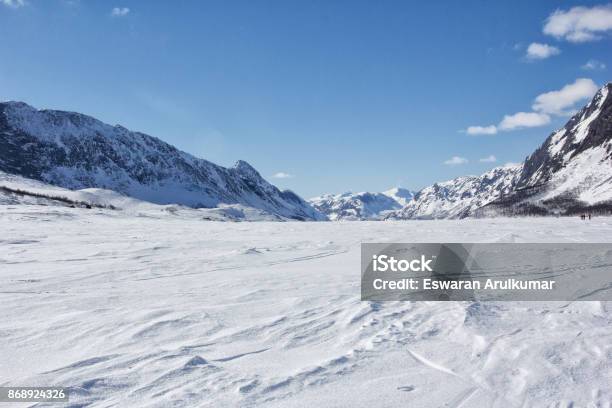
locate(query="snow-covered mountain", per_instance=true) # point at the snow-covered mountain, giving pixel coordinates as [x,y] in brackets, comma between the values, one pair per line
[361,206]
[76,151]
[354,206]
[18,190]
[460,197]
[400,194]
[571,171]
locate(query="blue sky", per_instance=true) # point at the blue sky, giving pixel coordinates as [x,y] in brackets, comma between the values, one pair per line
[335,95]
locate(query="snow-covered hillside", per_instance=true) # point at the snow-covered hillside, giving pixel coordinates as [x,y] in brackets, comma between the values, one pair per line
[460,197]
[16,190]
[572,170]
[76,151]
[138,311]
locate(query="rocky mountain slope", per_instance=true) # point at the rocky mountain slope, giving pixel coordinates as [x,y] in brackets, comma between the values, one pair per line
[571,172]
[460,197]
[76,151]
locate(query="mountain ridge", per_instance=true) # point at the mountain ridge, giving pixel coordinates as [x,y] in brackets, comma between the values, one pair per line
[569,173]
[361,206]
[77,151]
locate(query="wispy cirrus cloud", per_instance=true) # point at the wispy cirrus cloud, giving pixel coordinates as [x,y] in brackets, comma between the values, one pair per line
[120,11]
[481,130]
[456,160]
[13,3]
[580,24]
[594,65]
[282,175]
[539,51]
[489,159]
[553,103]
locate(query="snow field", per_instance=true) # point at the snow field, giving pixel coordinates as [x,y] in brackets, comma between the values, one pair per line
[175,311]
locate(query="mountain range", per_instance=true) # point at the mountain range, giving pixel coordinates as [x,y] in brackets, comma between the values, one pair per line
[571,172]
[76,151]
[361,206]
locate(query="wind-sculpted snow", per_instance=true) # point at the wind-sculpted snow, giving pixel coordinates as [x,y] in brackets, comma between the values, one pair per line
[76,151]
[135,311]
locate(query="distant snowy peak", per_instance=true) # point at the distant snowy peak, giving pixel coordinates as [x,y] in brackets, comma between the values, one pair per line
[76,151]
[399,194]
[357,206]
[459,197]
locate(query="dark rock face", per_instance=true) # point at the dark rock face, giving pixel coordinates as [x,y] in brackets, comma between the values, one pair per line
[77,151]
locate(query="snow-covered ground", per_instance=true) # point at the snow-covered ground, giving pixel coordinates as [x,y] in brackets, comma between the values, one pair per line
[136,310]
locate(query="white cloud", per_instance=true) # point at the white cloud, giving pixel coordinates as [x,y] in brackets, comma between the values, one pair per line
[558,103]
[282,175]
[120,11]
[580,24]
[594,65]
[13,3]
[488,159]
[521,120]
[538,51]
[455,160]
[555,102]
[481,130]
